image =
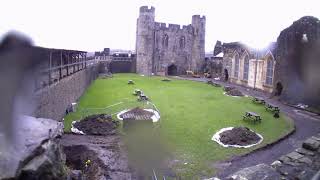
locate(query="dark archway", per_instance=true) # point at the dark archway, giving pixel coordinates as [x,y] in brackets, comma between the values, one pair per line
[279,89]
[226,75]
[172,70]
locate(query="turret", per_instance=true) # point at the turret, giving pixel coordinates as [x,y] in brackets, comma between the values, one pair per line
[198,50]
[145,40]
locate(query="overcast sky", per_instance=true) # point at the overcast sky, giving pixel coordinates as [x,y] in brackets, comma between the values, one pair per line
[94,24]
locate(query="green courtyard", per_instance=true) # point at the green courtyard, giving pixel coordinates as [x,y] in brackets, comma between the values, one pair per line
[191,112]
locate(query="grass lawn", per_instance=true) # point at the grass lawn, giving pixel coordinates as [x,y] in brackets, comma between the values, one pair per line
[191,112]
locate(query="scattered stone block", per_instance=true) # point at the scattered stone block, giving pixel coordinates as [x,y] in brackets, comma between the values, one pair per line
[305,152]
[289,171]
[38,154]
[316,138]
[284,159]
[294,156]
[311,144]
[306,160]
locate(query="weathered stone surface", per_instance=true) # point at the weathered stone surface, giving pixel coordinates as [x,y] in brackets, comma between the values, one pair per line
[305,152]
[37,153]
[260,171]
[284,159]
[169,50]
[48,165]
[306,160]
[253,72]
[297,55]
[306,174]
[311,144]
[299,164]
[288,170]
[316,138]
[76,174]
[294,156]
[52,102]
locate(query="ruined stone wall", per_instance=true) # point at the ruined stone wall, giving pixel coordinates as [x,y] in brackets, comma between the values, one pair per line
[52,101]
[198,51]
[297,67]
[302,163]
[123,66]
[178,51]
[145,40]
[257,71]
[159,46]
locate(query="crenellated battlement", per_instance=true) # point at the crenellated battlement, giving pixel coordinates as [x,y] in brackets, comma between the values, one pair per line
[146,9]
[198,17]
[188,28]
[164,26]
[173,27]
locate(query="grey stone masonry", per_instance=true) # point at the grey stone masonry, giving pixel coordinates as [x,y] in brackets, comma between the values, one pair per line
[36,153]
[52,101]
[303,163]
[169,49]
[297,54]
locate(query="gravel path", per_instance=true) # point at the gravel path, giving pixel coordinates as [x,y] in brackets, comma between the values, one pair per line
[307,124]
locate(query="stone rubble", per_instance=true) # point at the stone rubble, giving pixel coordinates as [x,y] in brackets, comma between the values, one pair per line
[303,163]
[36,154]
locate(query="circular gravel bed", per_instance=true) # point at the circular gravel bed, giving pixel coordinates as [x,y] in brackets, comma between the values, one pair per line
[101,124]
[139,114]
[241,137]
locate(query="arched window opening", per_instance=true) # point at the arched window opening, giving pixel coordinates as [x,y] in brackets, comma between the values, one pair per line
[246,68]
[182,42]
[236,66]
[165,41]
[269,76]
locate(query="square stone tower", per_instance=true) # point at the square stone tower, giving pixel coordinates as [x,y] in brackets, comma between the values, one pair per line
[169,50]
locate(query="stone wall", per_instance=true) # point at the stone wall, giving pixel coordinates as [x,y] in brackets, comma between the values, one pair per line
[173,53]
[123,66]
[257,68]
[53,100]
[159,46]
[303,163]
[297,56]
[36,153]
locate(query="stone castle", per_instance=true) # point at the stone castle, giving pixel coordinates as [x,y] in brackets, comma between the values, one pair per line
[169,50]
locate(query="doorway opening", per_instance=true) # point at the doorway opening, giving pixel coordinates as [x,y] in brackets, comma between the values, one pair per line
[172,70]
